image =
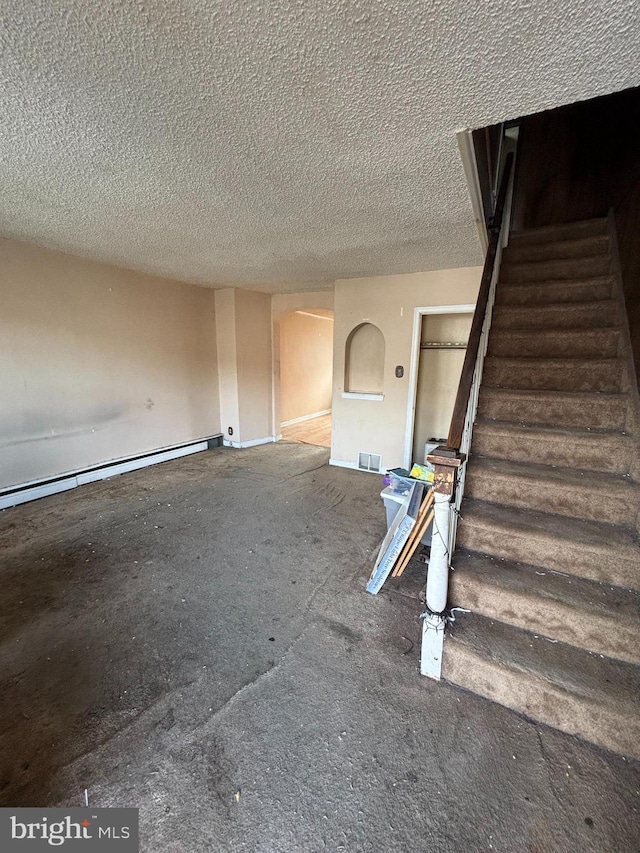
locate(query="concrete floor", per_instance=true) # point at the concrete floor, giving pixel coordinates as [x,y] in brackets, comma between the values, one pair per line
[194,639]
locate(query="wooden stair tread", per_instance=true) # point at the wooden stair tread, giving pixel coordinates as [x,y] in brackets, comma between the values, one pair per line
[564,528]
[597,482]
[565,248]
[584,397]
[553,374]
[597,550]
[560,268]
[574,408]
[588,343]
[556,660]
[605,278]
[564,231]
[549,432]
[563,291]
[565,491]
[601,450]
[581,612]
[558,684]
[574,316]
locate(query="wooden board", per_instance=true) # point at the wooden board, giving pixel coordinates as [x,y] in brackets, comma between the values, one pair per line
[422,523]
[403,562]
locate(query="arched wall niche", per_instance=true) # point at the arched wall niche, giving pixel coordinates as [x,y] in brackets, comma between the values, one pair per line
[364,360]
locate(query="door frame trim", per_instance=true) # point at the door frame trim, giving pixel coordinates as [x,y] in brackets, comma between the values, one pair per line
[418,314]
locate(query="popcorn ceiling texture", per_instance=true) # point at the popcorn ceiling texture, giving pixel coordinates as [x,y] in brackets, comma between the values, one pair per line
[277,144]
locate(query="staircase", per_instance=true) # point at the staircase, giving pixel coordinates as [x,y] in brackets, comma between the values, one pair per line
[548,555]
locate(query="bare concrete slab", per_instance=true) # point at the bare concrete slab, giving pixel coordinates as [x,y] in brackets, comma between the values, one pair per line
[194,639]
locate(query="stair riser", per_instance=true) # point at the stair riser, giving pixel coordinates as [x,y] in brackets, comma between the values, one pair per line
[611,455]
[569,231]
[554,292]
[554,376]
[600,343]
[583,247]
[579,558]
[602,632]
[542,700]
[561,269]
[564,316]
[594,413]
[568,499]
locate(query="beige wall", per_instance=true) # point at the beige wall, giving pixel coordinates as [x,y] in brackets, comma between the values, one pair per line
[389,303]
[253,338]
[98,363]
[304,300]
[243,319]
[225,301]
[306,364]
[438,376]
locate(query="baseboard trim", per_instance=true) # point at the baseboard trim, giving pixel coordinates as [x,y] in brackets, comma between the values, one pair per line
[339,463]
[306,418]
[64,482]
[241,445]
[32,493]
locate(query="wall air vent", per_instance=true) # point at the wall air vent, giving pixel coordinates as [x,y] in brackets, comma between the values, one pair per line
[369,462]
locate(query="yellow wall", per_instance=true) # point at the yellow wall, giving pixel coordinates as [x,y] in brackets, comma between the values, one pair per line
[306,365]
[379,426]
[98,363]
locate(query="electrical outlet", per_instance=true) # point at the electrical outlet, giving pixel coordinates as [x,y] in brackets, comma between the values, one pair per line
[230,430]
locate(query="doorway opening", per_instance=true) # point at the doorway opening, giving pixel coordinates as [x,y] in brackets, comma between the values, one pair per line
[440,341]
[306,376]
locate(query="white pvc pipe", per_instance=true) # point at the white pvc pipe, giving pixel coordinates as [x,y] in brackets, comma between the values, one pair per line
[438,574]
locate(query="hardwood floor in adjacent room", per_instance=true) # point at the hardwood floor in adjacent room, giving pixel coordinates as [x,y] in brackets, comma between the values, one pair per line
[316,431]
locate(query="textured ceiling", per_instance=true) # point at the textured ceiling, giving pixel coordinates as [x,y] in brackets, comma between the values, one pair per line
[278,144]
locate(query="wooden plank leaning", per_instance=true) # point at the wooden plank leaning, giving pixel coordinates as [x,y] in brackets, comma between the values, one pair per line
[423,521]
[396,538]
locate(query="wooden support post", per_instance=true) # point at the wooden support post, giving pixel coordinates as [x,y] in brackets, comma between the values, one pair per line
[446,461]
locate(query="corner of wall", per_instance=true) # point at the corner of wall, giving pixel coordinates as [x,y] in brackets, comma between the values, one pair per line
[225,304]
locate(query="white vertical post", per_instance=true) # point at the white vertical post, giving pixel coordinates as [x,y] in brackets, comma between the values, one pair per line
[433,624]
[446,464]
[438,575]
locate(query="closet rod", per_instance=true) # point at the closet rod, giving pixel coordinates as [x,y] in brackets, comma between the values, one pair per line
[442,345]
